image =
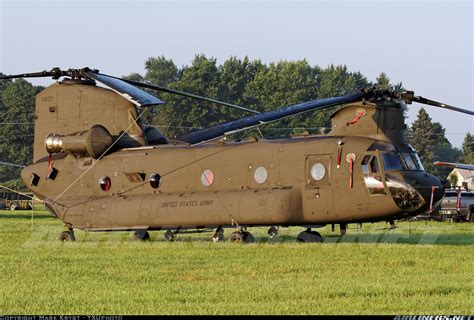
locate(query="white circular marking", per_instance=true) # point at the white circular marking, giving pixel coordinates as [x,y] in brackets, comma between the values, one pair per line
[261,175]
[207,178]
[349,157]
[318,171]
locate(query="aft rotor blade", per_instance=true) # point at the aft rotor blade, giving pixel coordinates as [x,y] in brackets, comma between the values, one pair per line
[182,93]
[454,165]
[126,90]
[11,164]
[224,129]
[40,74]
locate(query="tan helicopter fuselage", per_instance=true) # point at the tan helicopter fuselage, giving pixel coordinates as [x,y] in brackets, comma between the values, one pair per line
[288,196]
[245,183]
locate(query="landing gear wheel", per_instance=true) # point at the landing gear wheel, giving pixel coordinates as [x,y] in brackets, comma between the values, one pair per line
[219,235]
[241,237]
[13,207]
[272,232]
[170,235]
[309,236]
[67,236]
[141,235]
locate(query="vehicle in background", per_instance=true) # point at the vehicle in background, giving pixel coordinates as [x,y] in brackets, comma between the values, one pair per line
[457,206]
[14,201]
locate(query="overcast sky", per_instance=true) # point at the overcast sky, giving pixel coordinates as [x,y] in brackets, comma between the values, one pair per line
[426,45]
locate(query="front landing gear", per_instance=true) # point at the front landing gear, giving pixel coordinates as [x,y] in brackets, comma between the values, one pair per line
[67,235]
[241,237]
[219,235]
[309,236]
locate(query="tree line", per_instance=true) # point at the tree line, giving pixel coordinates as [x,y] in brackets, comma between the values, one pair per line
[245,82]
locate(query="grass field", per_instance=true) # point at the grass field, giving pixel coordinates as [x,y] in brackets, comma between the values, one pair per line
[419,268]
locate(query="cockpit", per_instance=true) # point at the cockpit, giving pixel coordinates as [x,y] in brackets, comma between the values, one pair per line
[399,173]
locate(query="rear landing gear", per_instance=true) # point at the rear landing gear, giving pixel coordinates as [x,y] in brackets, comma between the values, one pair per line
[67,236]
[141,235]
[170,235]
[272,232]
[309,236]
[241,237]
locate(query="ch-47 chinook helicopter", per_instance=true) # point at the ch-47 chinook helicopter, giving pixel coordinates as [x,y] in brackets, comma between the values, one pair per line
[98,169]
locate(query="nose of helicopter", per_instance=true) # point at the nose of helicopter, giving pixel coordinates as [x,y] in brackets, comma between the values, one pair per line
[430,188]
[415,191]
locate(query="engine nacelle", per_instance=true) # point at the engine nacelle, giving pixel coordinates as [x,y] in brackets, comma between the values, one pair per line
[93,142]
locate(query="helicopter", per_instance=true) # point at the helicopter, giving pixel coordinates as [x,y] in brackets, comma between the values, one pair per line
[97,168]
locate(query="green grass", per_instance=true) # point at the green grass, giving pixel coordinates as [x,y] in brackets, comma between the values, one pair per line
[419,268]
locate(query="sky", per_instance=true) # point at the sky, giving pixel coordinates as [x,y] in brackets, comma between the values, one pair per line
[426,45]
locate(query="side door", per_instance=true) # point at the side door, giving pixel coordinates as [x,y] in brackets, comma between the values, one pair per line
[317,194]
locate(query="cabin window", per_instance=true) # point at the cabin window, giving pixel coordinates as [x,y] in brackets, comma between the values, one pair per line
[155,180]
[105,183]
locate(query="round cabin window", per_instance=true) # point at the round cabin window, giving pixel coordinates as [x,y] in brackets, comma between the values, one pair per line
[105,183]
[318,171]
[155,180]
[207,178]
[260,175]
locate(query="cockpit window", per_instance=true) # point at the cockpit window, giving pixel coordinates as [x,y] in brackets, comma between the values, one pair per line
[381,146]
[365,164]
[373,179]
[410,161]
[418,161]
[374,166]
[392,161]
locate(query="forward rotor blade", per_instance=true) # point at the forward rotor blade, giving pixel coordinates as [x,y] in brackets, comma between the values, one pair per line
[11,164]
[182,93]
[224,129]
[441,105]
[408,96]
[454,165]
[126,90]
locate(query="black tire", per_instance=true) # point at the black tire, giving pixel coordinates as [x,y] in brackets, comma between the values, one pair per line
[471,214]
[241,237]
[309,237]
[67,236]
[170,236]
[141,235]
[218,237]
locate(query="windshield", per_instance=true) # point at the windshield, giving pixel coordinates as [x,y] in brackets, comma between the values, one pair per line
[392,161]
[418,161]
[409,161]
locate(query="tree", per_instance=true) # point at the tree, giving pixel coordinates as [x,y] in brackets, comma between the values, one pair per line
[383,81]
[17,129]
[161,71]
[453,180]
[429,140]
[468,149]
